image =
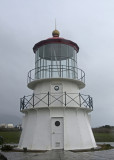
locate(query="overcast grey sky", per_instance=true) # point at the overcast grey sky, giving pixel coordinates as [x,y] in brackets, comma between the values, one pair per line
[89,23]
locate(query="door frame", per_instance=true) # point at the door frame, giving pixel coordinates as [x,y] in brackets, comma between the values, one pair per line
[54,134]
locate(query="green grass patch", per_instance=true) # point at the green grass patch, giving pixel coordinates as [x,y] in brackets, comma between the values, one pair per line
[11,136]
[104,137]
[14,136]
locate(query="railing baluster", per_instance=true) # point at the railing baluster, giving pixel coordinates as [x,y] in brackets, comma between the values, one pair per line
[33,100]
[48,99]
[23,102]
[80,99]
[89,102]
[30,77]
[65,98]
[20,104]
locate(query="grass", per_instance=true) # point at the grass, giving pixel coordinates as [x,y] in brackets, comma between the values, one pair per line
[11,136]
[104,137]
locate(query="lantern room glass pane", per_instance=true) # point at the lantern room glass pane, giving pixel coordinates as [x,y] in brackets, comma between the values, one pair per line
[55,51]
[56,60]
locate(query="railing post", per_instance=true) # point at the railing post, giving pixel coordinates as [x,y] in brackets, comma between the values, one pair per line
[33,100]
[27,78]
[23,102]
[81,75]
[20,103]
[49,71]
[65,98]
[30,77]
[80,99]
[90,102]
[84,77]
[48,99]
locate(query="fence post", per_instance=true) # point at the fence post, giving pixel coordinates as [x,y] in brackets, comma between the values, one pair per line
[80,99]
[65,98]
[33,100]
[48,99]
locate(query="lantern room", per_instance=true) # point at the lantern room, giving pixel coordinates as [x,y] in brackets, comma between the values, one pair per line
[56,57]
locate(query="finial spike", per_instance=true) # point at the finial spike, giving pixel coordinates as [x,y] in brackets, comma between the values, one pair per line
[55,23]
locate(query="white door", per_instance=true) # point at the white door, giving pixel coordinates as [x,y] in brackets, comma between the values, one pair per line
[56,95]
[57,133]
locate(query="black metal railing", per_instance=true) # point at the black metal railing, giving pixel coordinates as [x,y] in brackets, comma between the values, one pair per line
[53,71]
[52,99]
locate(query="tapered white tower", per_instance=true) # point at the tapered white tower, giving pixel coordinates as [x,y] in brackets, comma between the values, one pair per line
[56,115]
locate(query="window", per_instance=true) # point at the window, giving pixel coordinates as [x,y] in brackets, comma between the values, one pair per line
[56,88]
[57,123]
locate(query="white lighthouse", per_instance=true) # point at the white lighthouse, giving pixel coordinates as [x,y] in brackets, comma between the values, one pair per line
[56,115]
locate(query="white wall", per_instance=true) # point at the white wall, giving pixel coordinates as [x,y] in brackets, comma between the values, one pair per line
[77,130]
[36,130]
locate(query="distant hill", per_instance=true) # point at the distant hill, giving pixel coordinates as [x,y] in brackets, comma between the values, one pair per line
[5,118]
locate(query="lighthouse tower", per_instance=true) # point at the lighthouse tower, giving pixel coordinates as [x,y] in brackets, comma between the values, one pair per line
[56,114]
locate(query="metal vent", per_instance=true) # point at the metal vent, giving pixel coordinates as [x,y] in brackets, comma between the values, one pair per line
[57,144]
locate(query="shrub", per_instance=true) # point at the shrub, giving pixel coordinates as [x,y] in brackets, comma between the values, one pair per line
[6,148]
[106,146]
[1,140]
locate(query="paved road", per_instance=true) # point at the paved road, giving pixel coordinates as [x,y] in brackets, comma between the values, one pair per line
[61,155]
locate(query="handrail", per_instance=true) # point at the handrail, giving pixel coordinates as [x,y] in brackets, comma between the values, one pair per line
[52,99]
[51,71]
